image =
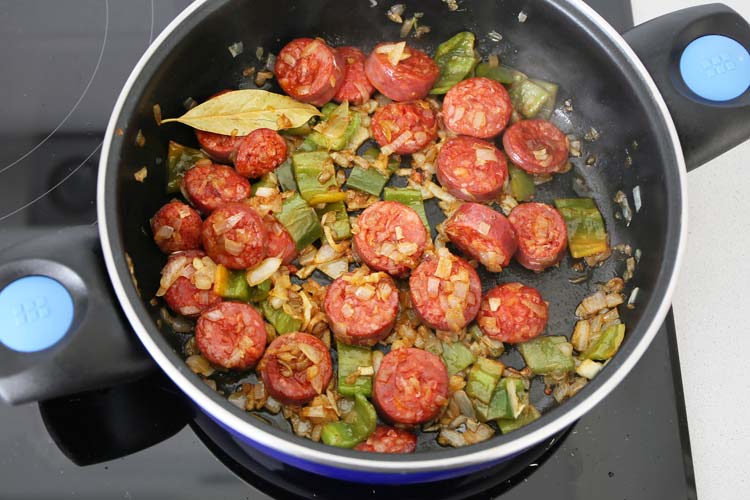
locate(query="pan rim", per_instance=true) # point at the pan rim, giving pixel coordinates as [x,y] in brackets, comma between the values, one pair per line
[219,409]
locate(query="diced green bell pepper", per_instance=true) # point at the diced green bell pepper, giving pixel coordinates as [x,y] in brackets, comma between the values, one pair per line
[180,159]
[232,285]
[456,58]
[483,378]
[285,175]
[528,415]
[350,358]
[545,112]
[281,321]
[607,344]
[457,357]
[412,198]
[309,169]
[339,126]
[369,180]
[500,73]
[357,425]
[341,228]
[586,233]
[300,220]
[507,400]
[521,184]
[529,97]
[328,109]
[302,130]
[496,348]
[548,355]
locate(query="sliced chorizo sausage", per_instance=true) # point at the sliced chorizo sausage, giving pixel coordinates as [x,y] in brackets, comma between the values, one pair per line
[411,386]
[260,152]
[478,107]
[295,368]
[309,70]
[235,236]
[188,279]
[356,88]
[232,335]
[404,127]
[400,72]
[280,242]
[536,146]
[445,291]
[512,313]
[209,185]
[471,169]
[390,237]
[484,234]
[541,233]
[219,147]
[361,307]
[387,439]
[176,227]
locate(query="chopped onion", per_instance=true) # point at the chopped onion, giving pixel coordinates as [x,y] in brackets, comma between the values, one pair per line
[495,303]
[170,273]
[494,36]
[433,286]
[633,297]
[464,404]
[444,267]
[310,352]
[483,228]
[395,12]
[522,17]
[236,49]
[335,268]
[200,365]
[262,271]
[622,200]
[164,233]
[263,192]
[391,148]
[141,174]
[233,247]
[365,292]
[637,198]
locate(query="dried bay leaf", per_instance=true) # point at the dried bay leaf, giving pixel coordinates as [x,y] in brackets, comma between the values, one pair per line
[241,111]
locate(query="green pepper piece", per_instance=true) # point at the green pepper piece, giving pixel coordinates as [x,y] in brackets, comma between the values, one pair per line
[495,347]
[586,233]
[300,220]
[232,285]
[528,415]
[370,180]
[548,355]
[483,378]
[521,184]
[302,130]
[350,358]
[456,58]
[528,97]
[507,399]
[309,169]
[357,425]
[285,175]
[457,357]
[411,198]
[545,112]
[265,181]
[328,109]
[310,143]
[180,159]
[604,347]
[341,228]
[500,73]
[281,321]
[260,291]
[334,132]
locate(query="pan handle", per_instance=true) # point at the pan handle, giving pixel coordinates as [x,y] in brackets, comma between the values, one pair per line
[698,58]
[61,329]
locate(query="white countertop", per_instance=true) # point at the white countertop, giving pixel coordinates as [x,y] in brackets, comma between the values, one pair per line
[709,308]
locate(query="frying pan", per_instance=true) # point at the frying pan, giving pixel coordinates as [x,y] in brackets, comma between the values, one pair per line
[630,90]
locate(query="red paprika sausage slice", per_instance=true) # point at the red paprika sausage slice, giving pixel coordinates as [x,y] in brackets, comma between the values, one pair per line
[389,440]
[512,313]
[280,242]
[537,146]
[542,235]
[361,307]
[235,236]
[356,87]
[404,127]
[471,169]
[411,386]
[232,335]
[400,72]
[187,280]
[478,107]
[445,291]
[176,227]
[390,237]
[219,147]
[309,70]
[260,152]
[295,368]
[484,234]
[208,186]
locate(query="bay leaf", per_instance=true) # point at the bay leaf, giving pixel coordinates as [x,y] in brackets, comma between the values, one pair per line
[241,111]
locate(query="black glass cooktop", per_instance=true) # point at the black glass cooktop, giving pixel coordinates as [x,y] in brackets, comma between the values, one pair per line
[63,65]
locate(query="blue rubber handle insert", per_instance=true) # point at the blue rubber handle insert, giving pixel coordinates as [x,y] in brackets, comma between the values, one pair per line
[716,67]
[35,313]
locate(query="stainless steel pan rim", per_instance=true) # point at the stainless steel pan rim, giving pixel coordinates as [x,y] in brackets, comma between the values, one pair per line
[184,379]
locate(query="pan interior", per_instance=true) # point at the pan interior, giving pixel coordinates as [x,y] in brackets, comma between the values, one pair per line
[555,43]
